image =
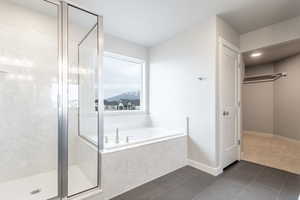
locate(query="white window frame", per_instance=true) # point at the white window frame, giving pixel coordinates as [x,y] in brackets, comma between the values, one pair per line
[143,92]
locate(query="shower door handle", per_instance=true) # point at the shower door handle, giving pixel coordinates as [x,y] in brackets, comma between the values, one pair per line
[96,105]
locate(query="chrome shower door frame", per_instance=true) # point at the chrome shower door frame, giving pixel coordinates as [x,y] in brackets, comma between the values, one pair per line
[63,101]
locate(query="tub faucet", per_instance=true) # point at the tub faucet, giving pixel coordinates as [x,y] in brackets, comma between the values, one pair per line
[127,139]
[117,136]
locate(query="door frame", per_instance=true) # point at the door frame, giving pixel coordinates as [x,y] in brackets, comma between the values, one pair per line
[221,44]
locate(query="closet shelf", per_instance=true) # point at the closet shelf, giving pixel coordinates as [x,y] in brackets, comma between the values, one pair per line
[263,78]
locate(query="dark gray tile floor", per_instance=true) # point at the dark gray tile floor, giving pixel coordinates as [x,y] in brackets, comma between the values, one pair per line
[242,181]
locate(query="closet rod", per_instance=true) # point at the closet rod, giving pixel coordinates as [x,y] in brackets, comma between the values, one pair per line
[270,78]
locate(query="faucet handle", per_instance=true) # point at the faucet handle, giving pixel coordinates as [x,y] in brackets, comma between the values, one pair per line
[127,139]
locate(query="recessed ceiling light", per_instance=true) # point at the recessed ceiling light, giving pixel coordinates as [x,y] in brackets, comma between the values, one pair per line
[256,54]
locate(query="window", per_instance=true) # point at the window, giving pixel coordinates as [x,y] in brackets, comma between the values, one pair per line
[123,83]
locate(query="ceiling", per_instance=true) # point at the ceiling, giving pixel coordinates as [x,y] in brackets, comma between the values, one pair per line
[273,53]
[261,13]
[149,22]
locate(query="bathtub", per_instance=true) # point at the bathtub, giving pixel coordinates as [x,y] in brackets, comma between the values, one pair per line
[134,137]
[140,136]
[148,154]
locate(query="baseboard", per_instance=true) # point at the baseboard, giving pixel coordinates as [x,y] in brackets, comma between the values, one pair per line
[205,168]
[271,135]
[287,139]
[258,133]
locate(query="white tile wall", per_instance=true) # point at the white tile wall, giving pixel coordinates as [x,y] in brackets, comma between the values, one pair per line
[28,106]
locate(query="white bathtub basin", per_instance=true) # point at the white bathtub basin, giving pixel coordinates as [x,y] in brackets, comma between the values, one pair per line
[136,136]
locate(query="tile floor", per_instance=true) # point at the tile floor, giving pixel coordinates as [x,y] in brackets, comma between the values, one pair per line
[242,181]
[272,151]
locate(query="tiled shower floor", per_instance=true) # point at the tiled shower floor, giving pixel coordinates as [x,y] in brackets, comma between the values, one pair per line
[47,182]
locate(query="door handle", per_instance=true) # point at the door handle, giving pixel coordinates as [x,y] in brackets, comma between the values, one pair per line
[225,113]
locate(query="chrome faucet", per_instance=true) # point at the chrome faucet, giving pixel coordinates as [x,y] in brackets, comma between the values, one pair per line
[117,136]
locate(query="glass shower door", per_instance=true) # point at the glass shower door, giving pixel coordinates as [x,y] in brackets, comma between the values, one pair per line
[83,129]
[28,100]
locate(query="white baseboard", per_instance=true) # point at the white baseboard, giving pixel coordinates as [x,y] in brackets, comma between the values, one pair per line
[203,167]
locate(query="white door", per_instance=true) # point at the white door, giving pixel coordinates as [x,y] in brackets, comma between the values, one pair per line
[229,109]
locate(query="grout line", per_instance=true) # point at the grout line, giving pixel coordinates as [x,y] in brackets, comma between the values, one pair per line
[250,182]
[282,186]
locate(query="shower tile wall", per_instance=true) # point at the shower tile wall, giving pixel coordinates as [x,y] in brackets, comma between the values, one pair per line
[28,105]
[28,101]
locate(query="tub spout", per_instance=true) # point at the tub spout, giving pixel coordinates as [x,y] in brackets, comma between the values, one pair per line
[117,136]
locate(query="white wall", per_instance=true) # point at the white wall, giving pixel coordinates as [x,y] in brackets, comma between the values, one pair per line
[119,46]
[271,35]
[226,31]
[258,102]
[176,92]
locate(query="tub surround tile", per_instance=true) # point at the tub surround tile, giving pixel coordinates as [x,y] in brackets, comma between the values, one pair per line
[132,167]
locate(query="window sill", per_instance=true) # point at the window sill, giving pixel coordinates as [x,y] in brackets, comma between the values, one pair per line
[125,112]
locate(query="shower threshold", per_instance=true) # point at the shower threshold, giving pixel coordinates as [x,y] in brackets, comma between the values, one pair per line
[42,186]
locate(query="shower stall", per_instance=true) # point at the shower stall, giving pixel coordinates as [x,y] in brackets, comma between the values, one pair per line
[50,91]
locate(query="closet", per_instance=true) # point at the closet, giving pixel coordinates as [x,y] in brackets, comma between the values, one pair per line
[271,109]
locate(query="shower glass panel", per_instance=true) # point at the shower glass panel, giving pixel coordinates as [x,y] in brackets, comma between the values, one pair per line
[28,100]
[83,170]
